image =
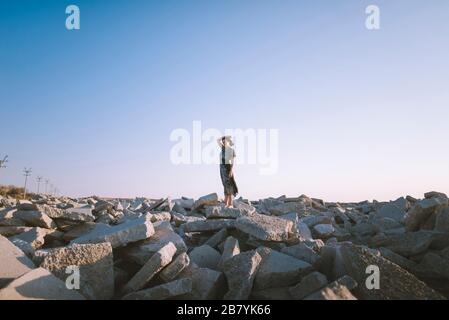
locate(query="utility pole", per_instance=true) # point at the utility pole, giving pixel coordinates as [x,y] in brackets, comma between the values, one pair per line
[46,185]
[26,173]
[39,180]
[3,162]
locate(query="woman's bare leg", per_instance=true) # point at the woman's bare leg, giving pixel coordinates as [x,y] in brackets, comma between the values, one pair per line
[228,200]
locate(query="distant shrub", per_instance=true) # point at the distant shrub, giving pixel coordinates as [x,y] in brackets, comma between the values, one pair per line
[14,192]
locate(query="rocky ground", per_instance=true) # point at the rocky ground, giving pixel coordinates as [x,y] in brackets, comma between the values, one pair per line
[276,248]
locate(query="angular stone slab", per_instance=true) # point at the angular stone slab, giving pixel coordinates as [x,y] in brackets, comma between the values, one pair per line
[279,270]
[35,237]
[421,212]
[79,214]
[231,248]
[302,252]
[159,216]
[35,219]
[206,200]
[205,257]
[38,284]
[240,272]
[391,211]
[120,235]
[264,227]
[410,243]
[308,285]
[324,230]
[171,271]
[165,291]
[96,267]
[215,212]
[13,262]
[207,284]
[180,219]
[156,263]
[13,230]
[209,225]
[141,251]
[217,238]
[395,282]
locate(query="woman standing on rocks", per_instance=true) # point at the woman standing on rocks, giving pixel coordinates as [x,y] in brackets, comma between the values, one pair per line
[227,156]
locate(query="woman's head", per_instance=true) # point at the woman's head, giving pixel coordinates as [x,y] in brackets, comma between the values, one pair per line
[227,140]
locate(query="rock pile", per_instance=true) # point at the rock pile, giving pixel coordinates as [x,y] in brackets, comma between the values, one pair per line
[275,248]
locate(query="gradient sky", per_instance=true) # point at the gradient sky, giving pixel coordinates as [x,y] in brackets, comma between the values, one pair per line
[361,114]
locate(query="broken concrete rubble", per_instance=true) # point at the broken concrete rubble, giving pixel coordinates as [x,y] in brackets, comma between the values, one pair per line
[120,235]
[275,248]
[95,263]
[38,284]
[265,227]
[155,264]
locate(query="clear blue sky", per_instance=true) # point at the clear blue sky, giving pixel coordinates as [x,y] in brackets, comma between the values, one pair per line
[361,114]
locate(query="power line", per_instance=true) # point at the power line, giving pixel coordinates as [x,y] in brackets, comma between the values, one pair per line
[26,173]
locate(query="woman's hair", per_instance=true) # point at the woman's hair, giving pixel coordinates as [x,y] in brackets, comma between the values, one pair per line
[227,138]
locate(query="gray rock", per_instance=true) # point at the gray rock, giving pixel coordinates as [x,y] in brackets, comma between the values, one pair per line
[308,285]
[25,205]
[160,216]
[35,219]
[213,212]
[13,262]
[82,214]
[155,264]
[141,251]
[391,211]
[442,220]
[313,220]
[409,244]
[395,282]
[279,270]
[209,225]
[164,291]
[240,272]
[207,284]
[421,211]
[398,259]
[96,267]
[336,292]
[13,230]
[26,247]
[323,230]
[303,231]
[35,237]
[38,284]
[79,230]
[217,238]
[180,219]
[231,248]
[205,257]
[433,265]
[171,271]
[120,235]
[302,252]
[207,200]
[264,227]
